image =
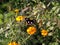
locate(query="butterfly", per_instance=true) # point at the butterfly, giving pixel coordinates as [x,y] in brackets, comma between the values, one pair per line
[30,21]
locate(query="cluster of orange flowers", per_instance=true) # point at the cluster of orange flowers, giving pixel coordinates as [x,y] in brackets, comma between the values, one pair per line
[31,30]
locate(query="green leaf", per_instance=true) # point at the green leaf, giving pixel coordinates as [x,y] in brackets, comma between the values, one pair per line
[6,20]
[1,22]
[10,14]
[54,43]
[1,16]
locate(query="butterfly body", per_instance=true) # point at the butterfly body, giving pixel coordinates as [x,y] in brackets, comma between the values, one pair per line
[30,21]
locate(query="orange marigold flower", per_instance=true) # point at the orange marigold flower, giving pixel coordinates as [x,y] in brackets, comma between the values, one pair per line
[19,18]
[13,43]
[31,30]
[16,10]
[44,33]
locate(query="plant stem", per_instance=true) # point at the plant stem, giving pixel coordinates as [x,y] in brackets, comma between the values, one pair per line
[26,38]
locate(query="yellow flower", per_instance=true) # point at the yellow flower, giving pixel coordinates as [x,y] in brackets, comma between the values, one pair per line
[19,18]
[13,43]
[44,33]
[31,30]
[10,43]
[16,10]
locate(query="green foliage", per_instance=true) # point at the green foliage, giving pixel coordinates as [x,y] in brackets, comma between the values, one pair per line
[47,11]
[1,16]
